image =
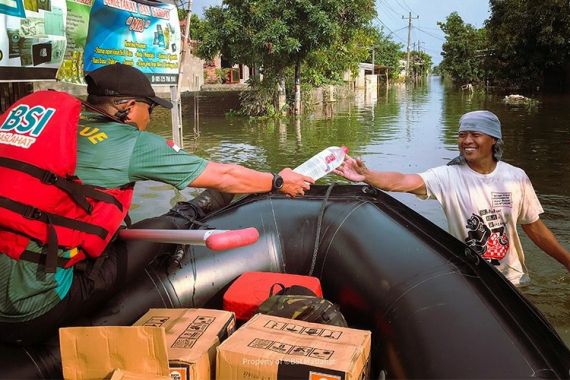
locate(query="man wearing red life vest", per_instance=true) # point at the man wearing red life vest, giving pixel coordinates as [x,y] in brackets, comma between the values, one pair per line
[60,209]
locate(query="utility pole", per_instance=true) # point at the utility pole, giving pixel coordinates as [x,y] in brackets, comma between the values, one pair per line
[176,112]
[409,40]
[415,53]
[420,50]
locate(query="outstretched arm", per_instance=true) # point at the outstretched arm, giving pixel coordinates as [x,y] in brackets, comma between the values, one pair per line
[543,237]
[236,179]
[355,170]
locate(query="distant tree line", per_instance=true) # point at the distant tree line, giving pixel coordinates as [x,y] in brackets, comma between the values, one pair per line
[288,40]
[525,44]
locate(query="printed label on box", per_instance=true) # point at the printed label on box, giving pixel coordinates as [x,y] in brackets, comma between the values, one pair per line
[298,329]
[193,332]
[289,349]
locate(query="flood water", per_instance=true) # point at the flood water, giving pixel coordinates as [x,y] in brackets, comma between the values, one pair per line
[399,128]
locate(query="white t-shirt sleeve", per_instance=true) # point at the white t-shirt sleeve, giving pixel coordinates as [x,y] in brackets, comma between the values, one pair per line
[530,205]
[434,182]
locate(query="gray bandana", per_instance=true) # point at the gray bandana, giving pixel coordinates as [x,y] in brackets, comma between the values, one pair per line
[485,122]
[481,121]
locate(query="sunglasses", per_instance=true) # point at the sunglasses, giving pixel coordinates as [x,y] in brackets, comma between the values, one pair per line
[150,104]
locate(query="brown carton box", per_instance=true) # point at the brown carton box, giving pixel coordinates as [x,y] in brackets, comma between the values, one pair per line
[268,348]
[192,336]
[95,352]
[120,374]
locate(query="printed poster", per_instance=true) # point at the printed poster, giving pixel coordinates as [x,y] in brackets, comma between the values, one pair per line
[71,69]
[38,37]
[32,33]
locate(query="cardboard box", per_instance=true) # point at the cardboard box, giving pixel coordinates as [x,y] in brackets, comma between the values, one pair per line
[192,336]
[268,348]
[120,374]
[95,352]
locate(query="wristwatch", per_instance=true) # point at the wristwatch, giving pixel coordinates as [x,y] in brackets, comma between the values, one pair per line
[277,183]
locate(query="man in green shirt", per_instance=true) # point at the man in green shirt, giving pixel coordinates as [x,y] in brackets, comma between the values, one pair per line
[113,151]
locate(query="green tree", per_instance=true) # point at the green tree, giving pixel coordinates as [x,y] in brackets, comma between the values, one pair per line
[436,70]
[182,13]
[277,34]
[463,50]
[387,53]
[529,40]
[327,65]
[421,63]
[196,27]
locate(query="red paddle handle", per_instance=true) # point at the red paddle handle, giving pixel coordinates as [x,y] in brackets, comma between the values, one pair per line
[232,239]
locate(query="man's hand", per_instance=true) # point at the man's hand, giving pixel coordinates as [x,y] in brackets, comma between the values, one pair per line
[294,184]
[352,169]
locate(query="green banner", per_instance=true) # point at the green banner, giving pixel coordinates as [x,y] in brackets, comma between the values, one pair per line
[71,69]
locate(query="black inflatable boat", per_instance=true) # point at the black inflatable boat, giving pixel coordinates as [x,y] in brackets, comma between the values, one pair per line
[435,309]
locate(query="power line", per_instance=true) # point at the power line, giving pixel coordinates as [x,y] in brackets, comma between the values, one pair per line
[430,28]
[386,26]
[429,34]
[401,6]
[388,7]
[407,6]
[391,31]
[402,28]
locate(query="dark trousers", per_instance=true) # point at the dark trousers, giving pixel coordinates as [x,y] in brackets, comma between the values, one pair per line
[94,282]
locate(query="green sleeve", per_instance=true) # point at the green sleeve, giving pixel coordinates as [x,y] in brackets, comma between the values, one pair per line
[154,159]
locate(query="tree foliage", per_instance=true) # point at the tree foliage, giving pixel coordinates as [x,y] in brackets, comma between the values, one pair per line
[529,39]
[327,65]
[463,50]
[387,53]
[278,34]
[524,44]
[196,27]
[421,63]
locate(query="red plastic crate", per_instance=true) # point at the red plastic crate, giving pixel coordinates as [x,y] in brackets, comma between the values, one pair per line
[249,290]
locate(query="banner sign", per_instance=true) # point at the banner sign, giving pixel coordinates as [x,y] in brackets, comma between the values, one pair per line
[32,33]
[71,69]
[78,36]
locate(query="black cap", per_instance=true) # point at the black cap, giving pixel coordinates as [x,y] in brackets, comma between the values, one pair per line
[122,80]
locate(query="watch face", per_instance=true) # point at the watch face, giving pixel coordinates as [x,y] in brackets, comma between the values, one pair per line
[277,181]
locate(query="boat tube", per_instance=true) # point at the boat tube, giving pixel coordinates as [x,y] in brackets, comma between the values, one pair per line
[435,309]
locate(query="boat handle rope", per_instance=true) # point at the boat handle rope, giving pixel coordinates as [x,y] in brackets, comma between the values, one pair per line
[319,225]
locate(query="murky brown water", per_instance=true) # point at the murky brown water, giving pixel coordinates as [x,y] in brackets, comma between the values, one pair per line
[401,128]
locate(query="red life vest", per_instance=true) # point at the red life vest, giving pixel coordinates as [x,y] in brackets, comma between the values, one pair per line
[40,198]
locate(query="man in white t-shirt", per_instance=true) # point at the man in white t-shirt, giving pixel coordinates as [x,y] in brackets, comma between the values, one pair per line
[483,198]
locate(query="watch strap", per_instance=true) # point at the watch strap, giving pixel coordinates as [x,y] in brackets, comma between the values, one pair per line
[277,182]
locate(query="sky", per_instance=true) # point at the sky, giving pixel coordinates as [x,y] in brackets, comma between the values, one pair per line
[424,28]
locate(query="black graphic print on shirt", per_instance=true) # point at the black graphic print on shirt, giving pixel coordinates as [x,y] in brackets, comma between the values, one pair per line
[487,234]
